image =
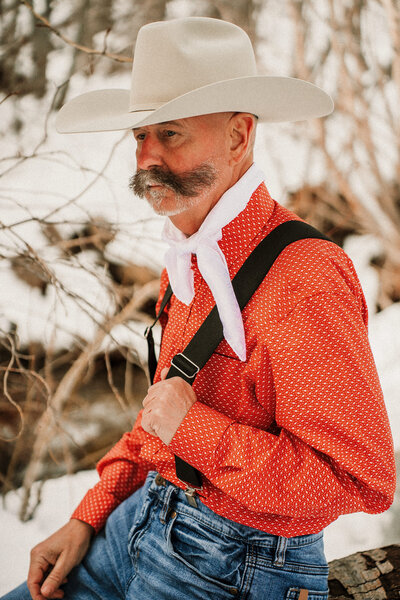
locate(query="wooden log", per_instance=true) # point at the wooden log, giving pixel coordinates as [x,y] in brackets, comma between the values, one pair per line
[370,575]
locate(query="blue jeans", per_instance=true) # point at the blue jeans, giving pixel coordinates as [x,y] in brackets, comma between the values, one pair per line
[155,546]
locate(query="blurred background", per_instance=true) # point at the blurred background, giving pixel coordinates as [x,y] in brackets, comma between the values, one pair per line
[80,256]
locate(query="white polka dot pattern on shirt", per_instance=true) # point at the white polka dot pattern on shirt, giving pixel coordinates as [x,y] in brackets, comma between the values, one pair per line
[298,434]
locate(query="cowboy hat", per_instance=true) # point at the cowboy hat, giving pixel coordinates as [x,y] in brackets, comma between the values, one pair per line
[188,67]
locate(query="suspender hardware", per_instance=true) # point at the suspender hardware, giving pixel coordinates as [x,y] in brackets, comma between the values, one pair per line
[186,366]
[190,495]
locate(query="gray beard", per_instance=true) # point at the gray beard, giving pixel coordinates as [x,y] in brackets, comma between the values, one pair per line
[155,199]
[187,186]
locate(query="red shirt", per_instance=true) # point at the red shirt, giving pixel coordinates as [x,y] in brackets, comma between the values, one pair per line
[296,435]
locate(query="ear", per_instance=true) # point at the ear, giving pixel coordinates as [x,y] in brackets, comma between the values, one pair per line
[242,130]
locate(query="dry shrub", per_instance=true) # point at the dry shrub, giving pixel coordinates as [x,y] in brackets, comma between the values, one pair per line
[359,62]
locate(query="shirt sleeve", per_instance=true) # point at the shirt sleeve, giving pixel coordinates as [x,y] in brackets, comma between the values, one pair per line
[122,471]
[331,450]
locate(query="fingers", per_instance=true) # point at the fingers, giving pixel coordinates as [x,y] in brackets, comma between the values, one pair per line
[164,373]
[147,420]
[37,571]
[56,577]
[53,559]
[146,401]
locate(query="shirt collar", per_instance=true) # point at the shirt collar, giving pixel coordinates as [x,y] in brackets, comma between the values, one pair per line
[228,207]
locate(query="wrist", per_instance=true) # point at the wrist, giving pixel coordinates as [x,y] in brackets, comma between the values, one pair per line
[82,525]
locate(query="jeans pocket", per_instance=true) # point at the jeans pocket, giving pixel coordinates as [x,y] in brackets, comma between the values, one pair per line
[304,568]
[140,525]
[294,594]
[208,553]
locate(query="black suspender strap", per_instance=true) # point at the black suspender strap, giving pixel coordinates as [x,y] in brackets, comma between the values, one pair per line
[148,334]
[246,281]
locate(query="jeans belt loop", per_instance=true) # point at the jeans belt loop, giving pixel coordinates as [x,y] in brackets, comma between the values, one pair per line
[167,499]
[280,552]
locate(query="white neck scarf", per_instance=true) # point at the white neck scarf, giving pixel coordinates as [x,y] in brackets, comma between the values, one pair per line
[210,259]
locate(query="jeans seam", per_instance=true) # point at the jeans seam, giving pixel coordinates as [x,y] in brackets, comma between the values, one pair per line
[248,572]
[301,543]
[312,570]
[134,542]
[200,518]
[206,522]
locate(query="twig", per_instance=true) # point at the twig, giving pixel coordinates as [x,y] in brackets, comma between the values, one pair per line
[8,96]
[117,57]
[8,395]
[123,404]
[64,391]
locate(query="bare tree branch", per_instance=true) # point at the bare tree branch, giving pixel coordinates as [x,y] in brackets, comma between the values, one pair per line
[90,51]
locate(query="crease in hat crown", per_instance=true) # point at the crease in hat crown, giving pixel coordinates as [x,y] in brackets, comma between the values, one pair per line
[194,47]
[187,67]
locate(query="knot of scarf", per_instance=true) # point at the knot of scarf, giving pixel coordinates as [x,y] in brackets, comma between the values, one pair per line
[210,258]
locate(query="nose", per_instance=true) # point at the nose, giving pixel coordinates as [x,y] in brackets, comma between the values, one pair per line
[148,153]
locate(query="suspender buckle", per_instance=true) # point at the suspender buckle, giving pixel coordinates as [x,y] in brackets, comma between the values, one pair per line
[183,364]
[190,494]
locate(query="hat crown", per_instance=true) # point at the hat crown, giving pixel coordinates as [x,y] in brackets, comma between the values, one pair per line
[175,57]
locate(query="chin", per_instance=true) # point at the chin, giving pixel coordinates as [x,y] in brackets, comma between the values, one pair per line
[169,207]
[165,212]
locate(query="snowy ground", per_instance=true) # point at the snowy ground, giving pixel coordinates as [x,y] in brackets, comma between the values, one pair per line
[59,498]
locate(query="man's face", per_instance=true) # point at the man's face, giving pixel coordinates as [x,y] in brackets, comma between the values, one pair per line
[180,163]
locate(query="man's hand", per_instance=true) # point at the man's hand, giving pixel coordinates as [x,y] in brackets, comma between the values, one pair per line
[166,405]
[53,559]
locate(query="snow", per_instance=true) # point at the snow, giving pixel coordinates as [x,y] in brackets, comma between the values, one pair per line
[94,170]
[60,496]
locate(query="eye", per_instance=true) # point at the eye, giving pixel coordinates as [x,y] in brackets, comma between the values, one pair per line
[139,134]
[169,133]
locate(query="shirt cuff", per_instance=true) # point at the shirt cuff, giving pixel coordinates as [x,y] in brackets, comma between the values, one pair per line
[95,508]
[198,436]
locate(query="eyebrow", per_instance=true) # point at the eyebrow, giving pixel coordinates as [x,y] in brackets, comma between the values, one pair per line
[163,123]
[174,123]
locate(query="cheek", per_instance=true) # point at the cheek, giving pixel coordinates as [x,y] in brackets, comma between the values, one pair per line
[217,149]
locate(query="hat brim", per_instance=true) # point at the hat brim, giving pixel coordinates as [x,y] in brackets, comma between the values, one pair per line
[271,99]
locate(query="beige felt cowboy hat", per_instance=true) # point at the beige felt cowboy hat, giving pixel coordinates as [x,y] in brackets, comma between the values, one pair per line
[188,67]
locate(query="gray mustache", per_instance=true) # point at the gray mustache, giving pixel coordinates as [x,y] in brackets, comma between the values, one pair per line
[187,184]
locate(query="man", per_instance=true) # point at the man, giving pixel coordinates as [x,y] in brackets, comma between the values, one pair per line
[286,422]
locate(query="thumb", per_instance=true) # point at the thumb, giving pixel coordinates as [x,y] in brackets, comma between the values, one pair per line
[164,373]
